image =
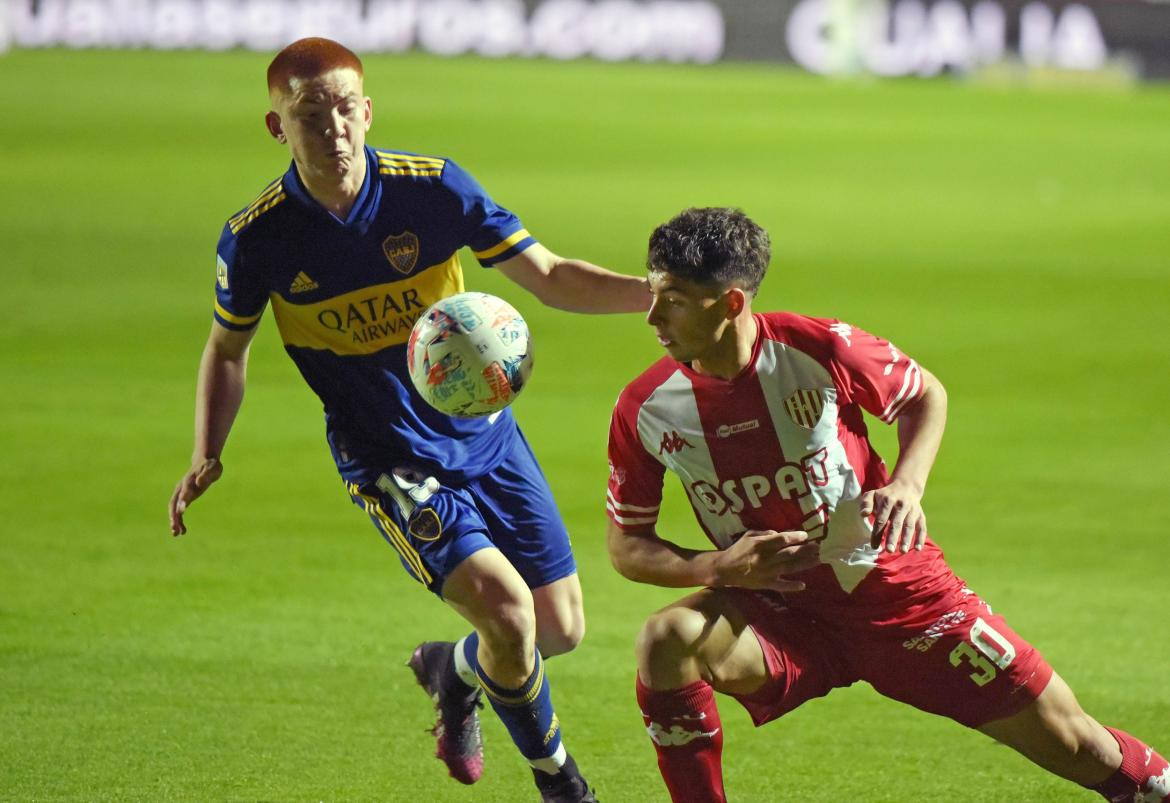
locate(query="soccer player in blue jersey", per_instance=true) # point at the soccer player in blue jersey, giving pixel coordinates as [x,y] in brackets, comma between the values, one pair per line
[349,246]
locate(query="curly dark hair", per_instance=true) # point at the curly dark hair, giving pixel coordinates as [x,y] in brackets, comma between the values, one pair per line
[712,245]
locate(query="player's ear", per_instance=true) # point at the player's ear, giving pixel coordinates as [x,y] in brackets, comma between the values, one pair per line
[369,112]
[736,300]
[273,124]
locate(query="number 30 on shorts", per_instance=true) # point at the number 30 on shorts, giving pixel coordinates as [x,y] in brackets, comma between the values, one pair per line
[987,652]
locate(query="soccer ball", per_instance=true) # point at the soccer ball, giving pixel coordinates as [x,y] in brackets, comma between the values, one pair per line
[469,355]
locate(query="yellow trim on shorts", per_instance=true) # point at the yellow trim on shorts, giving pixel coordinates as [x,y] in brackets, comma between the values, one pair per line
[397,539]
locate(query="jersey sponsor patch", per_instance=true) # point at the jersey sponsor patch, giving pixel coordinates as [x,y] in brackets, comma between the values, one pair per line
[401,251]
[727,430]
[369,319]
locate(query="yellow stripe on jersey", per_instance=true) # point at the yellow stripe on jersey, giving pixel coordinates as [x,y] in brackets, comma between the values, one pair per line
[399,164]
[367,320]
[239,224]
[268,192]
[504,246]
[238,320]
[389,156]
[397,539]
[408,171]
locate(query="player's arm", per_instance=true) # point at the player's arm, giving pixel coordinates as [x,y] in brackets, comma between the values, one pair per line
[897,507]
[573,284]
[219,393]
[759,559]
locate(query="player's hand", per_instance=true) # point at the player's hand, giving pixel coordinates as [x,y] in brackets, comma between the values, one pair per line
[762,558]
[191,487]
[898,518]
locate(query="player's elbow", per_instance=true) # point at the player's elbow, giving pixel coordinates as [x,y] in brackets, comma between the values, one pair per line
[934,390]
[622,556]
[618,560]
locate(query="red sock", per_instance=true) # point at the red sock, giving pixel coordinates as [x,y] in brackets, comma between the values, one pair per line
[1143,777]
[684,726]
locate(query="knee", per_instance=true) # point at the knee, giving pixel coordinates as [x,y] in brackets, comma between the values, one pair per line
[508,629]
[561,635]
[667,640]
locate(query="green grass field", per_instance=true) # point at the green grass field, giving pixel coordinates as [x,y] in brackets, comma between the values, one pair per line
[1016,242]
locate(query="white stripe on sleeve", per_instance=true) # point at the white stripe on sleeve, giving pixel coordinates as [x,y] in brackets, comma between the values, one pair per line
[911,385]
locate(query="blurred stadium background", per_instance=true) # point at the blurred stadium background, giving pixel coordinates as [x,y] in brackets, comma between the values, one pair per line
[1002,212]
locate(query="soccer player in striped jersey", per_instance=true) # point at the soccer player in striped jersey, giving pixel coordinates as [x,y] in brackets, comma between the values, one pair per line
[822,573]
[349,247]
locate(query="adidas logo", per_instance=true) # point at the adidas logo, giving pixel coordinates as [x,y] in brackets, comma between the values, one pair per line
[302,284]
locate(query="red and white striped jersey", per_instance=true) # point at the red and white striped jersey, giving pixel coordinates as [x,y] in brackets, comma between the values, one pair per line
[782,446]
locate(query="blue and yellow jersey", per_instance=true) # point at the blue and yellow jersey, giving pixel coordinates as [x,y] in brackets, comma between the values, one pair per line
[345,295]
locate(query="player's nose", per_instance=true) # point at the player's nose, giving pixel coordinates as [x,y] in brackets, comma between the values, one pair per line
[653,315]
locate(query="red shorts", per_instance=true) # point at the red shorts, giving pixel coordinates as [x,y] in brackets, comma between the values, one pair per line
[967,665]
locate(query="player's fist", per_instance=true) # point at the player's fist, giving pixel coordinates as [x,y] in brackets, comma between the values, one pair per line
[762,558]
[197,480]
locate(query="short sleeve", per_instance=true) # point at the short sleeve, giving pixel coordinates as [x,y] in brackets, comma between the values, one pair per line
[492,232]
[871,371]
[239,295]
[634,496]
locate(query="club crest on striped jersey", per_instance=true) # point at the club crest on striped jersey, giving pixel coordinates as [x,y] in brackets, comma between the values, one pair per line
[804,407]
[402,251]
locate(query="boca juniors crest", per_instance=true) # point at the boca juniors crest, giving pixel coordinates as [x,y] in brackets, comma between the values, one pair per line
[402,251]
[804,407]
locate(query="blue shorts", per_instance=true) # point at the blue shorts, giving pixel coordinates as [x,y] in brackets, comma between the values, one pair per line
[434,528]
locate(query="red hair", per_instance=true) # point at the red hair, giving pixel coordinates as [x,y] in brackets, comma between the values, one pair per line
[308,58]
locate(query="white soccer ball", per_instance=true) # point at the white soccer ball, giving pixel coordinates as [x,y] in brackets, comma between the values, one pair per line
[469,355]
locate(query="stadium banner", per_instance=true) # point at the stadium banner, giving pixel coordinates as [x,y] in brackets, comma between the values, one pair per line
[882,37]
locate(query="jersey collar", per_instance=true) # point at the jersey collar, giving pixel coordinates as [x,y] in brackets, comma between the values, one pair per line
[364,208]
[747,371]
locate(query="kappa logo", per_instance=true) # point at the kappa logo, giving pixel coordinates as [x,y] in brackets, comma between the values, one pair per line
[302,284]
[1156,788]
[677,735]
[673,442]
[843,331]
[402,251]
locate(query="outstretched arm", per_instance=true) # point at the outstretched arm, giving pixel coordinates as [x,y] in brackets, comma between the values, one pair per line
[759,559]
[575,285]
[218,395]
[897,507]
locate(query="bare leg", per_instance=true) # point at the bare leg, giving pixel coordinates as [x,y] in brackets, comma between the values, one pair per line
[487,591]
[700,637]
[560,616]
[1055,733]
[700,643]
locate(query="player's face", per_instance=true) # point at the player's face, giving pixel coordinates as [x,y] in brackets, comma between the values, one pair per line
[324,121]
[688,317]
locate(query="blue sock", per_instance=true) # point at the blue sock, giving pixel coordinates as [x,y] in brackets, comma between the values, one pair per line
[527,712]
